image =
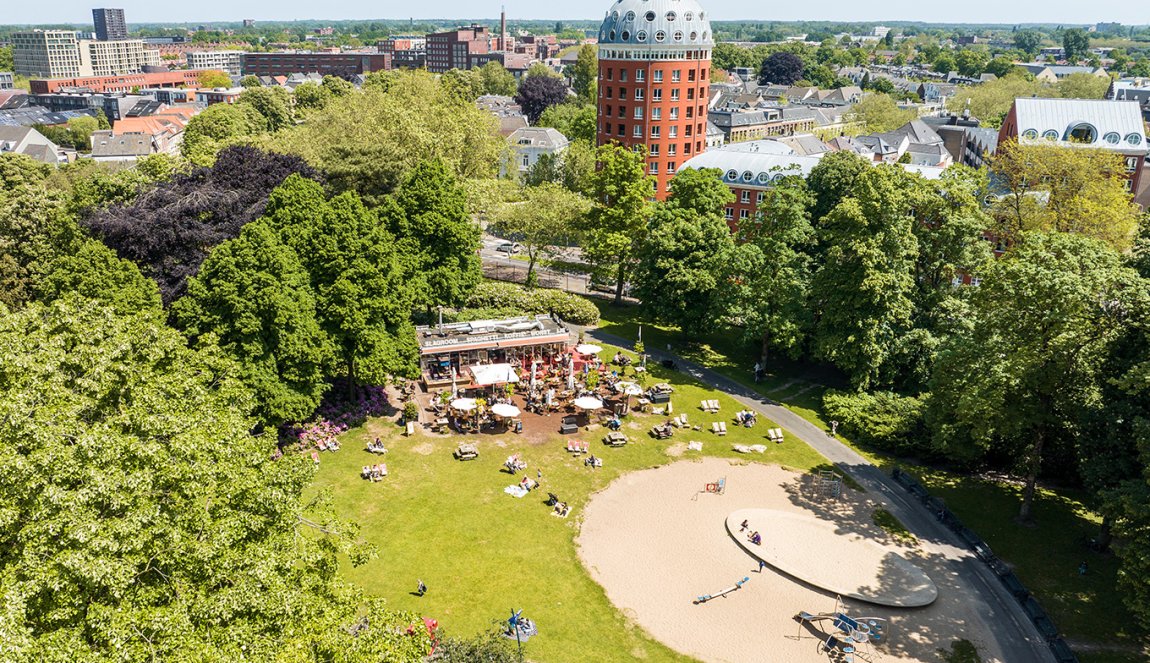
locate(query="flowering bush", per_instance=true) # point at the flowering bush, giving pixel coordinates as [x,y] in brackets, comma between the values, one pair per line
[338,412]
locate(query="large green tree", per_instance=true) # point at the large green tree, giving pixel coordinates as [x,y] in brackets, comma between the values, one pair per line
[617,223]
[143,521]
[1075,44]
[495,79]
[584,73]
[1015,380]
[253,298]
[546,217]
[216,127]
[272,103]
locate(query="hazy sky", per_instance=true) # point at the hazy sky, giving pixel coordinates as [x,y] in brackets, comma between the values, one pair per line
[970,11]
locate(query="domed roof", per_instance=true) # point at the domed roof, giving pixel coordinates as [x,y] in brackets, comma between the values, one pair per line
[656,23]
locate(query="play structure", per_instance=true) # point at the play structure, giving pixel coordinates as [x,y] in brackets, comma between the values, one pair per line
[829,483]
[849,634]
[707,597]
[717,487]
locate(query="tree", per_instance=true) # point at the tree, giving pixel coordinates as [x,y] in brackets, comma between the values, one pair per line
[363,294]
[617,222]
[683,261]
[1083,86]
[781,69]
[771,271]
[878,113]
[971,61]
[437,237]
[990,101]
[1027,41]
[578,166]
[538,92]
[169,231]
[369,142]
[945,62]
[253,298]
[574,122]
[143,520]
[213,78]
[863,288]
[832,179]
[584,73]
[249,81]
[1016,379]
[727,56]
[80,130]
[1075,44]
[464,84]
[311,96]
[494,79]
[547,216]
[272,103]
[35,229]
[93,271]
[1064,189]
[336,86]
[6,61]
[218,125]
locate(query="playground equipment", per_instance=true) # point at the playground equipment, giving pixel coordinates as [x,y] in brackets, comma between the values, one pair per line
[850,632]
[707,597]
[829,483]
[717,487]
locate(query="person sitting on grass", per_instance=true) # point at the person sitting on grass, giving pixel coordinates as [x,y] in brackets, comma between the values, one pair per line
[756,539]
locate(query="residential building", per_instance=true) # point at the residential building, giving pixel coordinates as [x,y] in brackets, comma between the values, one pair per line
[115,106]
[1052,73]
[530,143]
[61,54]
[7,81]
[109,24]
[343,65]
[219,96]
[46,53]
[135,137]
[1081,124]
[654,82]
[509,113]
[31,143]
[752,124]
[397,43]
[455,49]
[122,83]
[170,96]
[230,62]
[1127,89]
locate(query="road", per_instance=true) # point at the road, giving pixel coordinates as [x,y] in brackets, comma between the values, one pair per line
[501,267]
[1016,635]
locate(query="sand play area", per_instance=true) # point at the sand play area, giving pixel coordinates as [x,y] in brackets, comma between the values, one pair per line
[656,543]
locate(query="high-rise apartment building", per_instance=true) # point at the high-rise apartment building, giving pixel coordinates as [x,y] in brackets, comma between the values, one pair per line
[110,24]
[60,54]
[654,73]
[454,49]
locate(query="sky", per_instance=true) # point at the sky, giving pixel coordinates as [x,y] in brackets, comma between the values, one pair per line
[966,11]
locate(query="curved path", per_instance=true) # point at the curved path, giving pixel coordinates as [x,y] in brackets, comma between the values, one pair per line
[814,551]
[1015,634]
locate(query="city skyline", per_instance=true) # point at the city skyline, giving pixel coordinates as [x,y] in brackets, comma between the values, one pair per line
[207,11]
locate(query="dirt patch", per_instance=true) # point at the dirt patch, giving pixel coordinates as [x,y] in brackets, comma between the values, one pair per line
[676,450]
[425,449]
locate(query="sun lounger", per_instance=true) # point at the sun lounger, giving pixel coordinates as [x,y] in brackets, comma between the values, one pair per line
[315,457]
[759,448]
[365,472]
[694,446]
[719,428]
[775,434]
[574,447]
[742,448]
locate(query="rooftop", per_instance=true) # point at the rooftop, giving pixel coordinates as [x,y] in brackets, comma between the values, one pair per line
[490,333]
[656,23]
[1080,122]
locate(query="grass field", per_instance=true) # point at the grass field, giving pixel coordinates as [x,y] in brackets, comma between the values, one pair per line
[1088,609]
[482,552]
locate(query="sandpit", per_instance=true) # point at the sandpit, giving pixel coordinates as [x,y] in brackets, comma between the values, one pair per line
[655,543]
[848,564]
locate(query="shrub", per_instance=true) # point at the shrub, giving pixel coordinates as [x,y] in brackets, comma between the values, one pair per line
[509,296]
[411,411]
[882,419]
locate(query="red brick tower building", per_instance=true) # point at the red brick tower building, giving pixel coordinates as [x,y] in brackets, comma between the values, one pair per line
[654,75]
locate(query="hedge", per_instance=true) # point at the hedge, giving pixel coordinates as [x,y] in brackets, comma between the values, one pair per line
[882,419]
[498,296]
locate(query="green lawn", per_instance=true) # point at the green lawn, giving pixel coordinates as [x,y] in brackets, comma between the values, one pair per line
[1087,609]
[482,552]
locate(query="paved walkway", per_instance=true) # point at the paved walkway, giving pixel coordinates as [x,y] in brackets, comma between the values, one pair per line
[1017,637]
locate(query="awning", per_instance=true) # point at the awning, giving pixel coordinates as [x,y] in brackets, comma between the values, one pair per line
[486,375]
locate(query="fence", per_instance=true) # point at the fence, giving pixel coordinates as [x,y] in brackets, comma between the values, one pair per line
[1030,605]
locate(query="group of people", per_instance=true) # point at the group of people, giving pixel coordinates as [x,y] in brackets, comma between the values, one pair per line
[746,418]
[376,447]
[561,509]
[593,461]
[754,536]
[374,472]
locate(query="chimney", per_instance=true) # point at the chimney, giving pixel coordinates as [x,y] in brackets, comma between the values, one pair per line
[502,28]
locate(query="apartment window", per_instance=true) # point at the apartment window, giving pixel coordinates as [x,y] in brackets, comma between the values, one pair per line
[653,150]
[655,131]
[657,94]
[610,92]
[674,112]
[654,168]
[623,75]
[656,113]
[746,197]
[657,76]
[1131,164]
[638,94]
[743,214]
[622,130]
[687,130]
[638,112]
[728,213]
[672,132]
[671,168]
[690,112]
[686,148]
[675,94]
[675,76]
[640,75]
[526,161]
[637,131]
[607,110]
[622,111]
[671,149]
[690,93]
[610,74]
[759,198]
[706,75]
[622,93]
[690,74]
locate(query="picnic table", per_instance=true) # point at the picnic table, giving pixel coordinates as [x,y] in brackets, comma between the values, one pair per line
[615,439]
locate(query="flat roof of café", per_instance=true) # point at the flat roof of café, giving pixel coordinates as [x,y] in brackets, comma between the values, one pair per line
[490,334]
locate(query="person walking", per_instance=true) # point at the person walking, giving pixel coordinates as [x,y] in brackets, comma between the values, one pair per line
[762,565]
[421,589]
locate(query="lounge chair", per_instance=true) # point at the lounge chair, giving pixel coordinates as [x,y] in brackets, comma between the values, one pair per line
[775,434]
[315,457]
[719,428]
[365,472]
[742,448]
[574,447]
[694,446]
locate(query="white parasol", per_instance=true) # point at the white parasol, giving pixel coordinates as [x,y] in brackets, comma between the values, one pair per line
[464,404]
[571,374]
[630,389]
[505,410]
[588,349]
[588,403]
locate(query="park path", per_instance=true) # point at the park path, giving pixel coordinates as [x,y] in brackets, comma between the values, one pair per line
[1017,638]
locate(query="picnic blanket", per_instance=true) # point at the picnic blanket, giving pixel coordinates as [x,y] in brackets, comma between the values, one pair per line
[516,490]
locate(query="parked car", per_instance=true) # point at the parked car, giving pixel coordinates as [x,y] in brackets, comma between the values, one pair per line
[509,248]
